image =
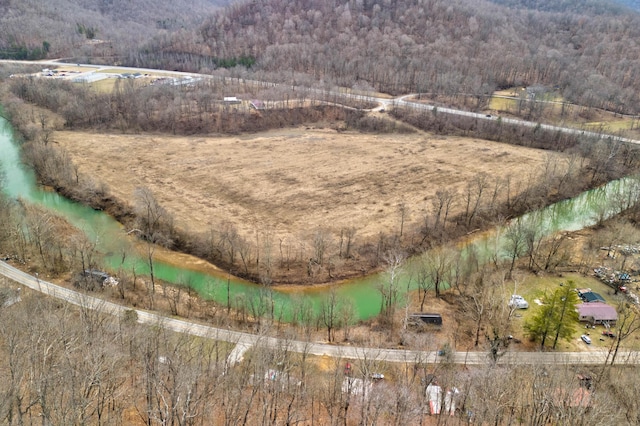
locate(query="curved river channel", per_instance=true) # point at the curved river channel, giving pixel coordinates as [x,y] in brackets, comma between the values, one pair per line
[19,182]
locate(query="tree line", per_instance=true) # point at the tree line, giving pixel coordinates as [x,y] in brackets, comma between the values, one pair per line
[70,365]
[323,254]
[179,109]
[438,47]
[83,28]
[475,282]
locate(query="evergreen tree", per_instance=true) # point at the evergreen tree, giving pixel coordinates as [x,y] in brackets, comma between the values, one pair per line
[556,317]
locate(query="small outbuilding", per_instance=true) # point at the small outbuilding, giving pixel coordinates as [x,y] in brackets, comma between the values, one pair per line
[256,104]
[355,386]
[597,313]
[440,401]
[434,319]
[591,296]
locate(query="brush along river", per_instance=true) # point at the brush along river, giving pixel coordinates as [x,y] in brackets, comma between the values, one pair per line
[18,181]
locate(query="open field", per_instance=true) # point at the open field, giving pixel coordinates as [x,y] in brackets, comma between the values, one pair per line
[557,111]
[294,181]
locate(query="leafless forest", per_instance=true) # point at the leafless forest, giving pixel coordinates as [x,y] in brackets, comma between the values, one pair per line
[73,366]
[67,365]
[586,51]
[485,200]
[440,47]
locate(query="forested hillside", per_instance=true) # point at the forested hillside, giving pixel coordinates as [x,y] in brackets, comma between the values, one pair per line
[32,29]
[575,6]
[633,4]
[591,54]
[587,50]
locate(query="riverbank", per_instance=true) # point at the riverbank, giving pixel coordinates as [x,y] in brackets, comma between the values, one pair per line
[356,305]
[302,206]
[282,241]
[263,194]
[457,330]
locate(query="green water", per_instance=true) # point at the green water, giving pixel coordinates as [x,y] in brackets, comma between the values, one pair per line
[20,182]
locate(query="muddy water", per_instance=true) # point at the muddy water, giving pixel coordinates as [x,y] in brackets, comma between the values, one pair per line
[19,182]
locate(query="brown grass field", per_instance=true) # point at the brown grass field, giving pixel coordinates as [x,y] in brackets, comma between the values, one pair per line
[577,116]
[293,181]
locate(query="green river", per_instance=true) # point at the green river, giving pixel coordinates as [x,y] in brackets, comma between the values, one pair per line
[19,182]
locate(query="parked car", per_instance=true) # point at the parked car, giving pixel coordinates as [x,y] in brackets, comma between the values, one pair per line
[609,333]
[518,302]
[586,339]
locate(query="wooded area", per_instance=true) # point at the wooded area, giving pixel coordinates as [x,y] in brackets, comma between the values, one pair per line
[587,52]
[325,254]
[437,47]
[69,365]
[86,27]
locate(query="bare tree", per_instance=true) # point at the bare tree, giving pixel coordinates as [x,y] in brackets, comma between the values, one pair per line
[347,312]
[330,313]
[442,204]
[156,227]
[321,242]
[40,225]
[552,252]
[347,235]
[84,251]
[389,288]
[154,222]
[403,210]
[516,242]
[473,196]
[331,395]
[423,278]
[439,264]
[628,323]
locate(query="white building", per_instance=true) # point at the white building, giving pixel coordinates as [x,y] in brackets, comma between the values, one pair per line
[438,401]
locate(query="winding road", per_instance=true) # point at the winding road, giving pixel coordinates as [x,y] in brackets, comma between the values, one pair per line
[244,341]
[401,101]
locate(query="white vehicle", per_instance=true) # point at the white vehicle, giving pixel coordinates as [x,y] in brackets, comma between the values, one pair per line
[518,302]
[586,339]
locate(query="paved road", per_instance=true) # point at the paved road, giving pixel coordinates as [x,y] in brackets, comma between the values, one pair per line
[347,94]
[245,340]
[401,101]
